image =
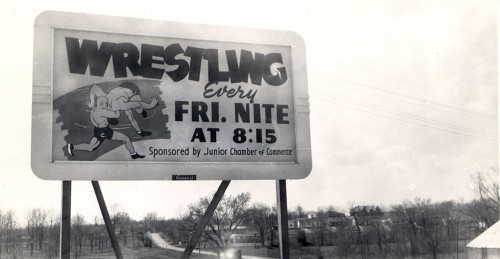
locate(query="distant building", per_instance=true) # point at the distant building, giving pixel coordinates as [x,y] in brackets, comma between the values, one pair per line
[244,238]
[320,222]
[486,245]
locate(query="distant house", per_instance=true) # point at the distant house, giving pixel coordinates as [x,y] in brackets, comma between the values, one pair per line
[244,238]
[486,245]
[336,222]
[304,223]
[241,234]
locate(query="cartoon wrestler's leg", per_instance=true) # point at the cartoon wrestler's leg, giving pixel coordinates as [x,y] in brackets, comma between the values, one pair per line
[132,120]
[91,146]
[118,136]
[130,115]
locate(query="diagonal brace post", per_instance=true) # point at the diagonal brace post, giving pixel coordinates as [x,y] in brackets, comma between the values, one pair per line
[107,220]
[206,217]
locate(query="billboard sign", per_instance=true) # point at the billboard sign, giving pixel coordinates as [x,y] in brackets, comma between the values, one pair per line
[130,99]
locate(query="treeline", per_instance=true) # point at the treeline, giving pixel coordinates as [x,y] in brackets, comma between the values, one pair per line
[40,236]
[418,227]
[10,234]
[411,228]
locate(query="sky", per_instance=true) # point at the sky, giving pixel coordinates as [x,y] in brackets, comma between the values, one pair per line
[403,100]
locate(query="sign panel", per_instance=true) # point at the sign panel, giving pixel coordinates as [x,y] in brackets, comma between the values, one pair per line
[131,99]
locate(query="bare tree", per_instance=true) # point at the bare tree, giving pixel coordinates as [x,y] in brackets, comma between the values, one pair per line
[485,208]
[36,219]
[423,226]
[92,232]
[151,220]
[297,213]
[262,218]
[78,232]
[359,214]
[53,233]
[2,232]
[332,212]
[115,209]
[99,235]
[228,216]
[407,214]
[123,223]
[434,232]
[344,240]
[11,237]
[322,216]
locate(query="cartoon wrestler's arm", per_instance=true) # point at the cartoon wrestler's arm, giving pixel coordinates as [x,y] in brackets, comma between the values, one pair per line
[109,113]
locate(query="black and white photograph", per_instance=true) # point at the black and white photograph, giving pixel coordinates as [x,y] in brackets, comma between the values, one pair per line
[256,129]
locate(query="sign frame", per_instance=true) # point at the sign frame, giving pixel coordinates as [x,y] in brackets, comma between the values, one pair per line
[45,167]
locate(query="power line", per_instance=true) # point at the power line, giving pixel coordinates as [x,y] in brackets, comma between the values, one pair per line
[407,121]
[411,97]
[405,81]
[409,115]
[410,83]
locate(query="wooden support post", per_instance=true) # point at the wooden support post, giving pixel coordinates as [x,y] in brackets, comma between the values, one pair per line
[107,220]
[65,241]
[204,221]
[282,219]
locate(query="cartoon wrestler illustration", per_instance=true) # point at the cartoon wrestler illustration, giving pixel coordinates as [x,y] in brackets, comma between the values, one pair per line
[99,116]
[123,99]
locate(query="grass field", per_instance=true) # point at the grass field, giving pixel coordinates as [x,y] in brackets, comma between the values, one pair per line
[139,251]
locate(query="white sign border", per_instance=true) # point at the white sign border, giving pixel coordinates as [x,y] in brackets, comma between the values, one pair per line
[42,119]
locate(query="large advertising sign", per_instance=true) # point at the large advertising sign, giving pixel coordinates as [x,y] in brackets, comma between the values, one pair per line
[130,99]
